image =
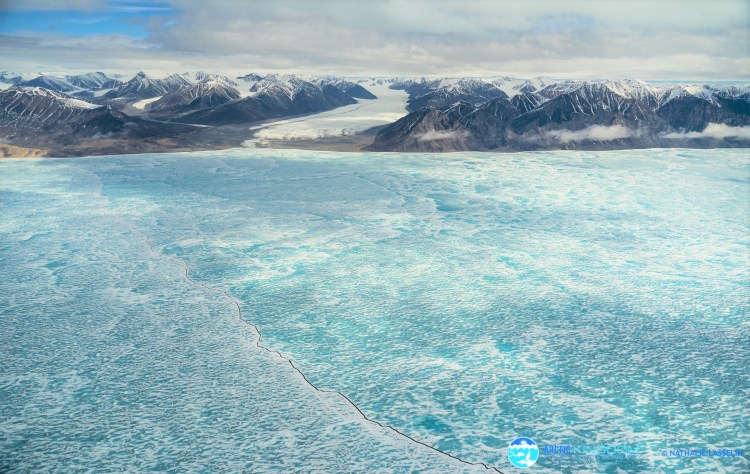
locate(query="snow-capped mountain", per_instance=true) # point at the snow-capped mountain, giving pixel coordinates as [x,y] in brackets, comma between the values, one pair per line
[635,89]
[733,92]
[53,83]
[251,77]
[282,84]
[39,118]
[248,80]
[69,84]
[570,114]
[450,113]
[446,91]
[25,110]
[273,96]
[513,86]
[93,81]
[179,95]
[692,112]
[348,87]
[585,105]
[527,101]
[12,78]
[143,87]
[195,77]
[204,94]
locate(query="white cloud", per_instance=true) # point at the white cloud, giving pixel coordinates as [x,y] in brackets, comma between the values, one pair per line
[714,130]
[708,40]
[593,133]
[441,135]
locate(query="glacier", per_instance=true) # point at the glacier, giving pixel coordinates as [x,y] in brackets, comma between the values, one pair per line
[418,312]
[389,106]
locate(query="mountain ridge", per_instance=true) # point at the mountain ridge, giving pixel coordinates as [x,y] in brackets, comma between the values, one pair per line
[573,114]
[442,114]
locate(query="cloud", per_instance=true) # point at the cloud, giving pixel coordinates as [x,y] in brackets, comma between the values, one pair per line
[714,130]
[442,135]
[593,133]
[588,39]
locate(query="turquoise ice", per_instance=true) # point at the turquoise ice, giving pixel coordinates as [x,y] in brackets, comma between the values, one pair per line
[463,299]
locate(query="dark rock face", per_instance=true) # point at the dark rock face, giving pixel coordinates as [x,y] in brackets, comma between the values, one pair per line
[79,83]
[142,87]
[491,122]
[526,102]
[428,130]
[572,116]
[250,77]
[93,81]
[187,99]
[26,110]
[13,78]
[445,92]
[349,88]
[274,98]
[354,90]
[460,127]
[97,115]
[446,114]
[53,83]
[591,104]
[690,113]
[42,117]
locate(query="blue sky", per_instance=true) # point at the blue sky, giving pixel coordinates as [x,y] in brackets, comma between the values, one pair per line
[125,18]
[656,39]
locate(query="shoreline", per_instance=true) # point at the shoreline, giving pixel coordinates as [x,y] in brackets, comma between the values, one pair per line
[238,151]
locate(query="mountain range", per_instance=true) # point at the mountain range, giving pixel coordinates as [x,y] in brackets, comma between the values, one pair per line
[100,113]
[39,118]
[511,115]
[273,96]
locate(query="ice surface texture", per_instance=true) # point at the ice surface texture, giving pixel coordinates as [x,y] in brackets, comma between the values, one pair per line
[465,299]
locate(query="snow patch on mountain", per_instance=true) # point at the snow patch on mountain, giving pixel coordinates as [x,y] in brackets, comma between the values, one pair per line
[700,91]
[141,104]
[60,98]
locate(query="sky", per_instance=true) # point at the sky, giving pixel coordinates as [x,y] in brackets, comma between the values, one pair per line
[595,39]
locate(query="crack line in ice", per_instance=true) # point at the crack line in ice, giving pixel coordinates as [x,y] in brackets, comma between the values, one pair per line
[258,344]
[236,302]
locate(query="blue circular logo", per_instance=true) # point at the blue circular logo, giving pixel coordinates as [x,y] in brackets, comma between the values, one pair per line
[523,452]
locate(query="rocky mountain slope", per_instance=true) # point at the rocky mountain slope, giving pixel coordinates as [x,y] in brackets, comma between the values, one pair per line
[205,94]
[273,96]
[97,113]
[570,114]
[348,87]
[447,114]
[443,92]
[143,87]
[69,84]
[35,117]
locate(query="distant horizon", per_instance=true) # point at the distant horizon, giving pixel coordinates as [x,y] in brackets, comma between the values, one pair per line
[235,74]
